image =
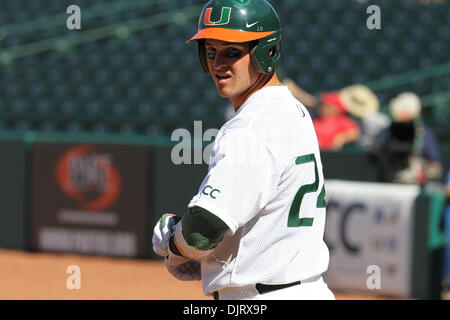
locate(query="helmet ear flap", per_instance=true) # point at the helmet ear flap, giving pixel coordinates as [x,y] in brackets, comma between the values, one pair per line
[255,61]
[202,55]
[254,58]
[266,54]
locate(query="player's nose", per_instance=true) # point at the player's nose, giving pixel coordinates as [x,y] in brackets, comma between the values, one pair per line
[219,63]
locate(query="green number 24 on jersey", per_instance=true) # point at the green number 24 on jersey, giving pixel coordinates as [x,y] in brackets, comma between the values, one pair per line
[294,219]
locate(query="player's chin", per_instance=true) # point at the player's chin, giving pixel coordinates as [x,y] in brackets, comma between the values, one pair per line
[223,91]
[223,94]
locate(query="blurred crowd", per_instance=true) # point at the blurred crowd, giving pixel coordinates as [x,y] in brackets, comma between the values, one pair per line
[404,149]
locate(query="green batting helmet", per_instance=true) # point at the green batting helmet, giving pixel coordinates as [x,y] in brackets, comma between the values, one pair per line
[242,21]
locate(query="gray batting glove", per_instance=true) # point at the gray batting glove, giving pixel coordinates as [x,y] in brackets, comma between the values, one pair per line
[162,232]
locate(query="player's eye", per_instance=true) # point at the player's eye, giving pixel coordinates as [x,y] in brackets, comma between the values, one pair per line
[233,53]
[229,53]
[210,53]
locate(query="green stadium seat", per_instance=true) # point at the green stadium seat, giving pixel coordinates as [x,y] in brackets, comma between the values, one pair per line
[138,84]
[72,127]
[152,129]
[100,128]
[22,126]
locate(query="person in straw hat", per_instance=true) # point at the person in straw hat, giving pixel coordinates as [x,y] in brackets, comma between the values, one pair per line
[363,104]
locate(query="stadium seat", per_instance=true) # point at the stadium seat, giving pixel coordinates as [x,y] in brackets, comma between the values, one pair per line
[144,83]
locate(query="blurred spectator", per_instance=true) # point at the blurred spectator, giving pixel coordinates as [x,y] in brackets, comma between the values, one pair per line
[300,94]
[362,103]
[334,128]
[308,99]
[407,151]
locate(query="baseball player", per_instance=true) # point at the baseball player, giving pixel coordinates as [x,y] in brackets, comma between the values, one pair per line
[255,228]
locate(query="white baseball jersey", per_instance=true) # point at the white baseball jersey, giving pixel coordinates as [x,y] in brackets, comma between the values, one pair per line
[265,182]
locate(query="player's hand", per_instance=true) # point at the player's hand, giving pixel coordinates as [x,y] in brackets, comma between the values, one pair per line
[162,232]
[183,268]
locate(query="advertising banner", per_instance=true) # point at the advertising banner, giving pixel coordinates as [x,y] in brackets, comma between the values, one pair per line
[368,230]
[91,198]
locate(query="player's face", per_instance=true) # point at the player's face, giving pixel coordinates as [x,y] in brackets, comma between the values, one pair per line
[231,69]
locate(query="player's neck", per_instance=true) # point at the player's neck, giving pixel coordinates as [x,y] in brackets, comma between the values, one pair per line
[262,82]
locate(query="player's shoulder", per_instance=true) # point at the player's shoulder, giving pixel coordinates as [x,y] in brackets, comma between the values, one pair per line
[270,107]
[272,115]
[280,112]
[269,117]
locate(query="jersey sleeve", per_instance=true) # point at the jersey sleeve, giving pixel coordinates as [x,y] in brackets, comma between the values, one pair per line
[243,175]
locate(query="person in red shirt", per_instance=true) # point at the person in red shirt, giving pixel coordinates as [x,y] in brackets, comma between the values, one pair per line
[333,127]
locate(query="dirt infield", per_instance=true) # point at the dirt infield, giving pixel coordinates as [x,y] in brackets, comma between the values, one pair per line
[43,276]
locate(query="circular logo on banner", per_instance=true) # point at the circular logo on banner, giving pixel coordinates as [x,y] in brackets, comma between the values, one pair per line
[88,177]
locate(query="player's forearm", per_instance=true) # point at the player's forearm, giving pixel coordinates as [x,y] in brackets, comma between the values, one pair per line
[197,234]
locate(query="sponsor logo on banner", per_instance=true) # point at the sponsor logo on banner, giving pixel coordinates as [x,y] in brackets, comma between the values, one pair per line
[369,224]
[88,177]
[85,206]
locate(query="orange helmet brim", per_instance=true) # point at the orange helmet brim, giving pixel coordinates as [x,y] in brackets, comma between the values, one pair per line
[229,35]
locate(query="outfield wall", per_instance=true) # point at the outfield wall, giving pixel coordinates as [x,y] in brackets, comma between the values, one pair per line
[103,195]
